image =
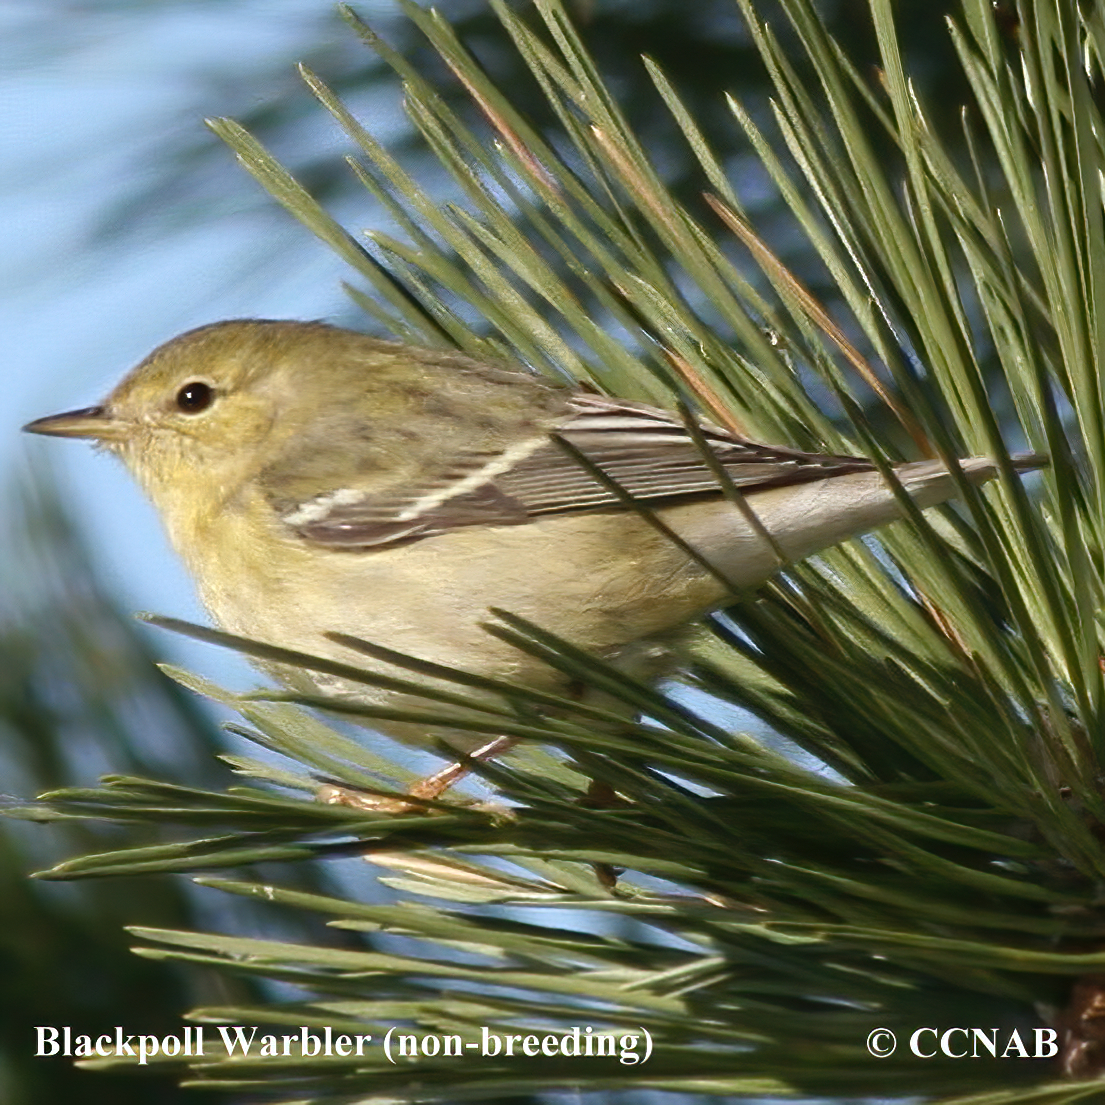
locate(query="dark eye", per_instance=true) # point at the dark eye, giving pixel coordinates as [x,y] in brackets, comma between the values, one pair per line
[194,397]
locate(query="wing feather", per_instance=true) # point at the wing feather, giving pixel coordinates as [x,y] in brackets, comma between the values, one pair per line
[646,451]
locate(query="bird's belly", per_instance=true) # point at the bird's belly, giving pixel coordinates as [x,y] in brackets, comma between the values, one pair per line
[602,582]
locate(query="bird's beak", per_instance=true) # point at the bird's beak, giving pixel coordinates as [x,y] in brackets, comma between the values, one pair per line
[93,422]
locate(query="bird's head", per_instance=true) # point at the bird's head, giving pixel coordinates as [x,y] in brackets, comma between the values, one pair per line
[211,404]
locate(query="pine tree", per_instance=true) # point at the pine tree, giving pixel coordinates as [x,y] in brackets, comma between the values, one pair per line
[871,800]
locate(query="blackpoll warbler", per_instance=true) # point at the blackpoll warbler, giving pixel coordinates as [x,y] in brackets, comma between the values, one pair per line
[315,480]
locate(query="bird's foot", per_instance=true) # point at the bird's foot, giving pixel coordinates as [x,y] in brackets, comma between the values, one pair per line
[418,795]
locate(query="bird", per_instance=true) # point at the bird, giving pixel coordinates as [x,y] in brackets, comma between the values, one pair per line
[321,485]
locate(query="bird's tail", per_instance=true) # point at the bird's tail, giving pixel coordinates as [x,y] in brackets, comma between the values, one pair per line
[930,482]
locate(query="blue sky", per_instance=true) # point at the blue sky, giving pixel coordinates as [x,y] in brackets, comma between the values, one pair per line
[90,102]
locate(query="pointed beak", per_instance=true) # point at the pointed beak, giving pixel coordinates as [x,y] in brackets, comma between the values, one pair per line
[93,422]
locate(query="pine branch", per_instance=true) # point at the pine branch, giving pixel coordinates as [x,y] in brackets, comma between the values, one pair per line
[917,838]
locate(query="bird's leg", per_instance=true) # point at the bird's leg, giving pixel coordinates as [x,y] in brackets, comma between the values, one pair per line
[433,786]
[425,790]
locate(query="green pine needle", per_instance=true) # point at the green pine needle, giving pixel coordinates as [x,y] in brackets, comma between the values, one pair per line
[917,838]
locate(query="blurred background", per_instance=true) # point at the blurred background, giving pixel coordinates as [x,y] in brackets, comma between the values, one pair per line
[124,223]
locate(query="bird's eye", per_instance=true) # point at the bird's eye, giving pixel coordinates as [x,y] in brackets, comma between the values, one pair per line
[194,397]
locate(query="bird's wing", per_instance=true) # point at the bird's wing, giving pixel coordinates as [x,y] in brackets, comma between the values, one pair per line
[645,451]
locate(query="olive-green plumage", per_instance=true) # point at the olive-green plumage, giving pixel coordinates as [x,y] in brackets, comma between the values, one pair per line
[316,480]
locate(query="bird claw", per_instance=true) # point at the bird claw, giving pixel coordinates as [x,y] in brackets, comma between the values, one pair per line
[418,795]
